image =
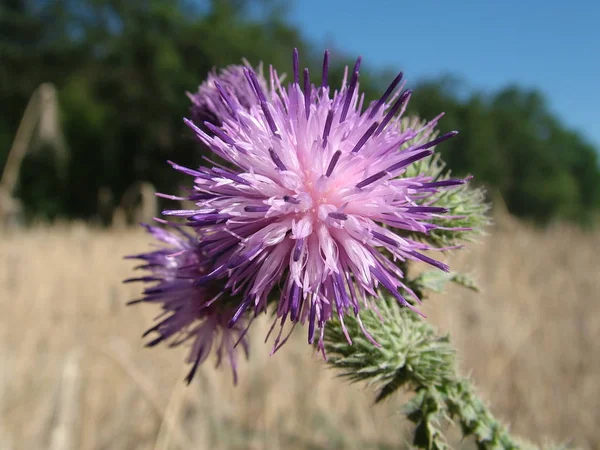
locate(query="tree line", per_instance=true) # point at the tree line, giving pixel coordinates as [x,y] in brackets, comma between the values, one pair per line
[121,70]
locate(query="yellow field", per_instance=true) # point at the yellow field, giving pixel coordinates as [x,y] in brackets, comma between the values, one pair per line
[74,373]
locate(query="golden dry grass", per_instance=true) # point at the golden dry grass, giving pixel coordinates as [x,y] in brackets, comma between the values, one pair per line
[74,373]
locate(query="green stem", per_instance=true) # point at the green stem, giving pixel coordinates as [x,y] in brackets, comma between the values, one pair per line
[457,401]
[414,356]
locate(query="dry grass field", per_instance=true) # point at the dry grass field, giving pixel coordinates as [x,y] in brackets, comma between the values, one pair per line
[74,373]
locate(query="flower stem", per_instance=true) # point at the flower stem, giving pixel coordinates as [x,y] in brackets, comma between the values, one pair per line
[414,356]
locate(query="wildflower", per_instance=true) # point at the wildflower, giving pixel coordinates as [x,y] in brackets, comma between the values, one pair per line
[190,312]
[317,204]
[222,94]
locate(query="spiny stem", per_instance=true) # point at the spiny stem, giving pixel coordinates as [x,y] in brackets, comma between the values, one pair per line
[413,355]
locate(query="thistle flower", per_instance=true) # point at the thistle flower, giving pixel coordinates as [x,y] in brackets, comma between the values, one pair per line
[190,312]
[316,204]
[223,93]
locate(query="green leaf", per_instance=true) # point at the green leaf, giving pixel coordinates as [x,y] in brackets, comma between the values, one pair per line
[436,280]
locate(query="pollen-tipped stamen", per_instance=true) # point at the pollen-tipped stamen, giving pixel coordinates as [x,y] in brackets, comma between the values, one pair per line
[307,90]
[257,209]
[219,133]
[338,215]
[292,200]
[334,159]
[394,109]
[210,276]
[430,261]
[311,320]
[296,66]
[442,183]
[277,160]
[351,89]
[385,95]
[327,128]
[383,238]
[365,137]
[408,161]
[226,99]
[325,73]
[230,175]
[294,302]
[371,179]
[436,141]
[241,310]
[269,117]
[262,99]
[426,209]
[187,171]
[298,246]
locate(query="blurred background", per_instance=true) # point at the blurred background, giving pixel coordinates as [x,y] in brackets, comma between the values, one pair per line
[92,96]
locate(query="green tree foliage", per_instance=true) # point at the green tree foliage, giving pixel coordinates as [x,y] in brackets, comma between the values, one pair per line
[122,69]
[513,144]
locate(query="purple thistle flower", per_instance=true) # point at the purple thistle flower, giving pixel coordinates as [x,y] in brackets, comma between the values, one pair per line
[222,94]
[190,312]
[317,202]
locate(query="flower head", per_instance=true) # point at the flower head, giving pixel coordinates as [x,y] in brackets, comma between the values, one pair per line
[190,312]
[317,209]
[222,94]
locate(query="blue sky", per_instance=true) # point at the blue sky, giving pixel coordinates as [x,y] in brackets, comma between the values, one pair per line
[550,45]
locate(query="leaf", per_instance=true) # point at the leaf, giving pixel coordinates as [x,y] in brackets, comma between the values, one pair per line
[436,280]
